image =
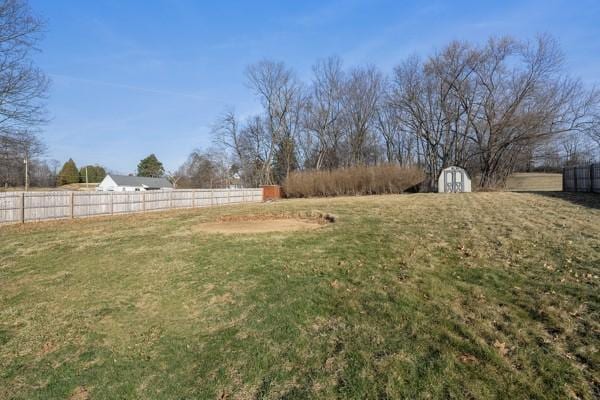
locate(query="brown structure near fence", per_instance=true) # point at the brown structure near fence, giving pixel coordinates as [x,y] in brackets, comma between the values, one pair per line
[271,192]
[583,178]
[21,207]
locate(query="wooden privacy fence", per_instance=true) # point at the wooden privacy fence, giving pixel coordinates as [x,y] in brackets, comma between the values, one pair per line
[38,206]
[585,178]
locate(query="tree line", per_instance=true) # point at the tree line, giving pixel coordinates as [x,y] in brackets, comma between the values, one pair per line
[69,173]
[491,108]
[149,166]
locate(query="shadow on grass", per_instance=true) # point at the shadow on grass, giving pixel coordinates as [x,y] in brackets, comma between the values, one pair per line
[590,200]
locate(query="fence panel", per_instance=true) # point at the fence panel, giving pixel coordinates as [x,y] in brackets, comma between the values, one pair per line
[39,206]
[91,203]
[182,199]
[203,198]
[595,176]
[584,178]
[157,200]
[569,180]
[10,207]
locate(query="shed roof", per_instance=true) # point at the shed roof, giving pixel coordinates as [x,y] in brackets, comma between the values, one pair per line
[454,167]
[142,181]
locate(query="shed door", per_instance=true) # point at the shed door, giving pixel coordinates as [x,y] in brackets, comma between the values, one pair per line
[454,181]
[449,181]
[458,181]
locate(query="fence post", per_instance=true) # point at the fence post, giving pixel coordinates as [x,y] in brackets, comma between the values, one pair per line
[595,179]
[193,198]
[111,203]
[170,199]
[592,178]
[211,197]
[72,205]
[144,201]
[22,207]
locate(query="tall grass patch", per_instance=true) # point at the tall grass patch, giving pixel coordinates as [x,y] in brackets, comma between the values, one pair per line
[360,180]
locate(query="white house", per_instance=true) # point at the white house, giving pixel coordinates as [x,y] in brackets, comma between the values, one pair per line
[454,179]
[124,183]
[235,182]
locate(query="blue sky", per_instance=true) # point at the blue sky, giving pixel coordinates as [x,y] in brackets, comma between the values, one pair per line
[130,78]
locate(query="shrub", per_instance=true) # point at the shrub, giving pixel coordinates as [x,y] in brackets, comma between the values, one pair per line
[362,180]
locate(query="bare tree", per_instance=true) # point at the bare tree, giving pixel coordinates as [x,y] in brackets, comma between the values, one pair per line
[324,114]
[257,148]
[226,133]
[279,92]
[174,177]
[425,106]
[491,108]
[22,87]
[486,107]
[575,149]
[203,169]
[15,148]
[593,130]
[522,97]
[361,96]
[398,141]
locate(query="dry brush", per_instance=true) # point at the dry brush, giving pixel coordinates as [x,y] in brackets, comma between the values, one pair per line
[360,180]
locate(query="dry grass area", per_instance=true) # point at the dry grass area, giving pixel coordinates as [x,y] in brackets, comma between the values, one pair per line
[479,295]
[84,187]
[78,187]
[260,224]
[534,182]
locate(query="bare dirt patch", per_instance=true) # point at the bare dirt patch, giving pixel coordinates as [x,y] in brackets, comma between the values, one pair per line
[272,225]
[230,224]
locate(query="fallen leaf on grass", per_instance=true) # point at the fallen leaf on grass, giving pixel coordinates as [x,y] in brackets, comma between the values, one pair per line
[464,250]
[48,347]
[80,393]
[467,358]
[329,363]
[501,346]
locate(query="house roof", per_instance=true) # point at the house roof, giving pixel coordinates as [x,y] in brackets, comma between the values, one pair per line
[142,181]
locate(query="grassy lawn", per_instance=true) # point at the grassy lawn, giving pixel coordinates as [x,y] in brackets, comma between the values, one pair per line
[483,295]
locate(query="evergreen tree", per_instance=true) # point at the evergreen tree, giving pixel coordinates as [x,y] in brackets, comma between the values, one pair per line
[68,174]
[150,166]
[95,173]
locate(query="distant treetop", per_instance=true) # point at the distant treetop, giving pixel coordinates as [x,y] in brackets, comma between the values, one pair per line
[150,166]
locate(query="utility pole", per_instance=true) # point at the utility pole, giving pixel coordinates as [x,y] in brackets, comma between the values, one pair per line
[26,161]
